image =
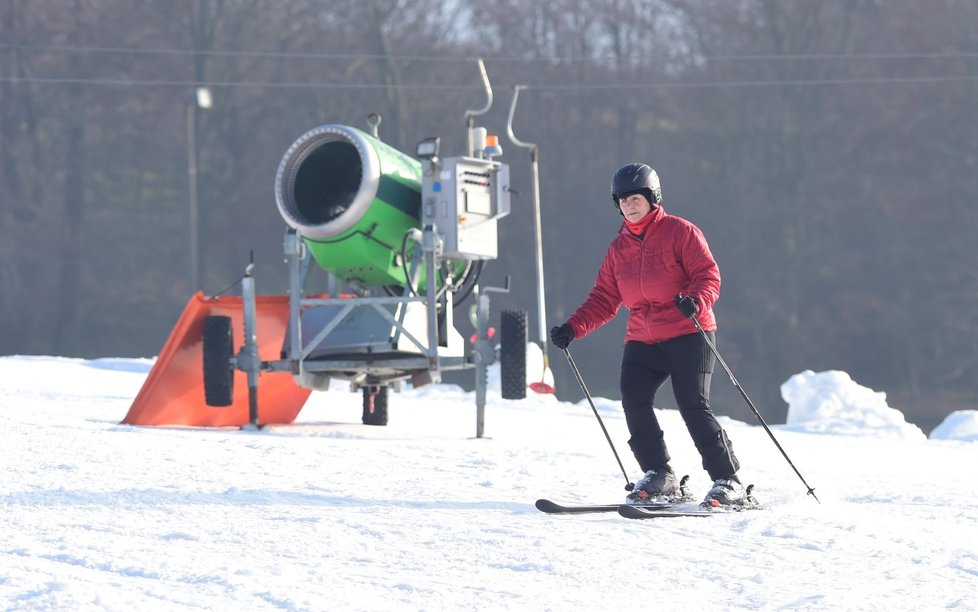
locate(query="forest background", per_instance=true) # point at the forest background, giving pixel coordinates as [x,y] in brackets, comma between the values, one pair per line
[829,151]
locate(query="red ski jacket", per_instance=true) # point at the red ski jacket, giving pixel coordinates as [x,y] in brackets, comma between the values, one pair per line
[645,274]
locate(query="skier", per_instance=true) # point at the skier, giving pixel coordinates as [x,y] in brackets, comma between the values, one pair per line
[661,268]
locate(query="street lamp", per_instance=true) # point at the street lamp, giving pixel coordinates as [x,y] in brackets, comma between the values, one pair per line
[200,98]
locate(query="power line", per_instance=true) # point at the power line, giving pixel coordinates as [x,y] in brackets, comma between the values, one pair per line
[229,53]
[761,83]
[845,56]
[448,87]
[217,84]
[444,58]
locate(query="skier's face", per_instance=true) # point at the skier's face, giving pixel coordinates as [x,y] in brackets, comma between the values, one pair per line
[634,207]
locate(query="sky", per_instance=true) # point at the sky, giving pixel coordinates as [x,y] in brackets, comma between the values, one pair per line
[330,514]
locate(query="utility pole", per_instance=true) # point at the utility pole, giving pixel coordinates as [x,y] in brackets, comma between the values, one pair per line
[200,98]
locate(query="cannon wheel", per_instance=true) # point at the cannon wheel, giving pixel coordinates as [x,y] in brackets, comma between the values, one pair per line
[218,350]
[375,405]
[512,354]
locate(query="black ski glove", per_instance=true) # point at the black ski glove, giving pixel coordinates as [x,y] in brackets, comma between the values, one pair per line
[561,335]
[687,305]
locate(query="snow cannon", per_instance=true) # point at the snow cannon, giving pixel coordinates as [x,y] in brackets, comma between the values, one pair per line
[401,241]
[352,199]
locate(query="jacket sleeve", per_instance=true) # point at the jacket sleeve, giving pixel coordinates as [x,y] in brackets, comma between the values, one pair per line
[601,304]
[701,268]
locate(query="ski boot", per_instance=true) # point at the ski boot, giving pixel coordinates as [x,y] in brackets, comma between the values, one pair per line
[729,494]
[659,487]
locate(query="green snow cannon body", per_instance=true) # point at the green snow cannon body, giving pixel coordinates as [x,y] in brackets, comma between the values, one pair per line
[353,199]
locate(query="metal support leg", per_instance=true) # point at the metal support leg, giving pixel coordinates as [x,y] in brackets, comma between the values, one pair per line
[294,256]
[483,353]
[248,359]
[483,356]
[429,243]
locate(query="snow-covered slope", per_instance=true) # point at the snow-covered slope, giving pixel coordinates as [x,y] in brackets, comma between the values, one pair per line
[329,514]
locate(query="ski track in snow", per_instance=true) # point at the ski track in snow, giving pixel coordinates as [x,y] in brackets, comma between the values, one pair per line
[328,514]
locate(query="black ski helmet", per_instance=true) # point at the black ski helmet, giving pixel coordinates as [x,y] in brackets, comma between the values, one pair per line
[636,177]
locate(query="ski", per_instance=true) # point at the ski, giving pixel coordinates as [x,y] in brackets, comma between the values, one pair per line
[551,507]
[707,508]
[643,512]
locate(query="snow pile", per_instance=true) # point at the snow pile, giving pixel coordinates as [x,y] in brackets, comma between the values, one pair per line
[959,425]
[831,402]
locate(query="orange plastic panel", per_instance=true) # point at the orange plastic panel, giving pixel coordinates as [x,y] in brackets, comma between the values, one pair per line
[173,393]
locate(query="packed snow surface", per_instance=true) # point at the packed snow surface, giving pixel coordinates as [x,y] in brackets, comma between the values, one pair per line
[330,514]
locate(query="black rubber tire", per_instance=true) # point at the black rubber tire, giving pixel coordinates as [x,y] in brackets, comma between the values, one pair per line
[377,416]
[512,354]
[218,350]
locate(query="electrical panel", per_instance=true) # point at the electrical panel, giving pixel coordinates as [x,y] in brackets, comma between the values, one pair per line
[464,197]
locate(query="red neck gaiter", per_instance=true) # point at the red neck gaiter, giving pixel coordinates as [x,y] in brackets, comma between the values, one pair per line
[638,228]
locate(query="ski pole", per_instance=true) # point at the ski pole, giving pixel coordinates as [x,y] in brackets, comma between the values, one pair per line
[743,394]
[629,485]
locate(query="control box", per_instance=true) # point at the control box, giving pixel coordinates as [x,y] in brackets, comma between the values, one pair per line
[464,197]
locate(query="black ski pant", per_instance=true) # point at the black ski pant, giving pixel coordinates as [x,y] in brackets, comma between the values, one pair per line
[689,361]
